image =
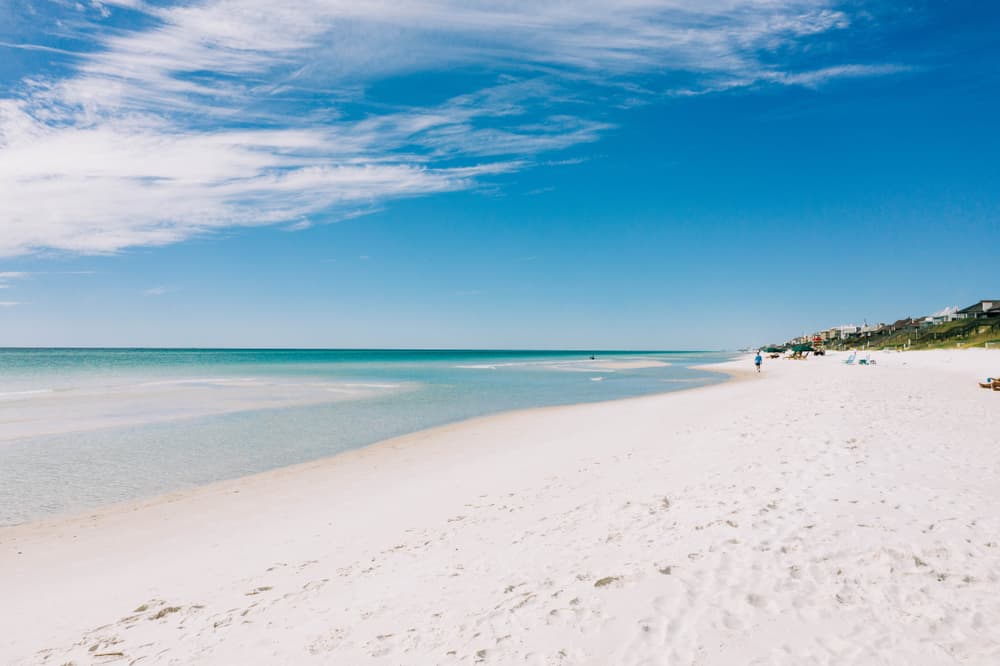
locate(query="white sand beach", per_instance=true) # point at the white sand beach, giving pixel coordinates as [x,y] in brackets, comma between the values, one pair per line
[817,513]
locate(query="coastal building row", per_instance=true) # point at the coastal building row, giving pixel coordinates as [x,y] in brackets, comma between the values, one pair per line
[984,309]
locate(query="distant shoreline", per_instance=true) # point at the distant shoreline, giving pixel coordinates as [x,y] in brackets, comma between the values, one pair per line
[485,350]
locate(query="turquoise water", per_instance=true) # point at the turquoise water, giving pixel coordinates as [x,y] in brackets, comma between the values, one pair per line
[82,428]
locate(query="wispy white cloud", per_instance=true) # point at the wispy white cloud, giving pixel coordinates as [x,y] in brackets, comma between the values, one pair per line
[36,47]
[186,127]
[807,78]
[8,304]
[818,77]
[540,190]
[159,291]
[10,275]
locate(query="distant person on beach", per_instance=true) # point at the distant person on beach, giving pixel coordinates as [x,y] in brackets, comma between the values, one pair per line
[757,360]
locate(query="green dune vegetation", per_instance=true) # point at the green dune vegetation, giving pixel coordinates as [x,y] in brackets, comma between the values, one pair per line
[960,333]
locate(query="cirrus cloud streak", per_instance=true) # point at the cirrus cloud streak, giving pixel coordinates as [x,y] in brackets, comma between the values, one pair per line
[232,113]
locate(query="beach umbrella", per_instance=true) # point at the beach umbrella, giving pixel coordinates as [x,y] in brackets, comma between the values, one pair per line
[774,350]
[803,348]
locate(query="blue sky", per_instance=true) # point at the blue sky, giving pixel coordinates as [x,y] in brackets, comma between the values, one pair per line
[656,174]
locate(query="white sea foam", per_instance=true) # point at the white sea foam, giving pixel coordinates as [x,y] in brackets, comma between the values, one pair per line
[20,395]
[610,364]
[222,381]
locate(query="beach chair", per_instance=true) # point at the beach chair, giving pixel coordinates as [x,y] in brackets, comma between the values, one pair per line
[850,359]
[991,383]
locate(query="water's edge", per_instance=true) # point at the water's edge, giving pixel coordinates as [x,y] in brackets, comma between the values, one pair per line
[49,477]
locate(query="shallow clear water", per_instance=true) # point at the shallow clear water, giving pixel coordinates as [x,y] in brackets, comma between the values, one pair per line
[81,428]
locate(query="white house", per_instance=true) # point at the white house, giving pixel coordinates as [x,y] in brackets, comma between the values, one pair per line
[948,314]
[843,332]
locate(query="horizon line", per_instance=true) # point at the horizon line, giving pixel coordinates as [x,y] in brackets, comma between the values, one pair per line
[373,349]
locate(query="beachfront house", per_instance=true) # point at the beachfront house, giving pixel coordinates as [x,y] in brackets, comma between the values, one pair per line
[843,332]
[948,314]
[990,308]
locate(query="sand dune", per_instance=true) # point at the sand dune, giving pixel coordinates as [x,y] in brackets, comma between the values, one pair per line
[816,514]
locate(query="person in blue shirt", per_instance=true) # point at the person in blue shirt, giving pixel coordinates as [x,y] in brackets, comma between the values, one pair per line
[757,360]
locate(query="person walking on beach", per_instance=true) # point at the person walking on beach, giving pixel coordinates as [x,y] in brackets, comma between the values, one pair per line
[757,360]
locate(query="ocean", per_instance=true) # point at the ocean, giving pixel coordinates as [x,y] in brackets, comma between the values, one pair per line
[80,428]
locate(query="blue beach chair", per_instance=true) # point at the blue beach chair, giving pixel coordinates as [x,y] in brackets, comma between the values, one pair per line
[850,359]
